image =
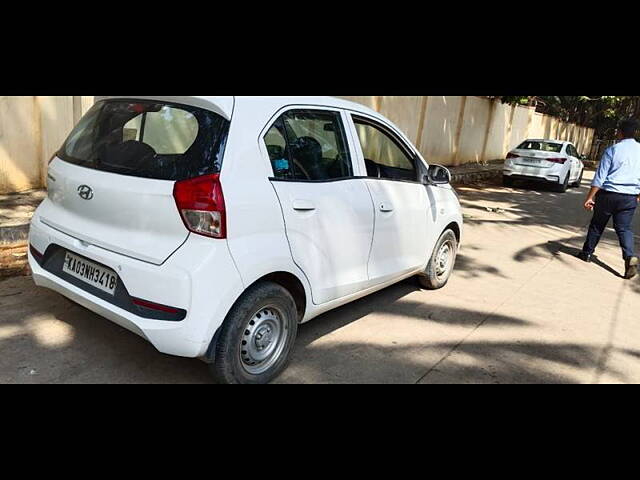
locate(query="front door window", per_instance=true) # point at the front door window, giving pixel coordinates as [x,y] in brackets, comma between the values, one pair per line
[309,145]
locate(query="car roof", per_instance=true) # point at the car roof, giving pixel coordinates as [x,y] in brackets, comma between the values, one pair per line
[547,140]
[224,105]
[220,105]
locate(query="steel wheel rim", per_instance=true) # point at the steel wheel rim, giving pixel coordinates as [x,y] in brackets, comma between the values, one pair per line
[263,340]
[444,259]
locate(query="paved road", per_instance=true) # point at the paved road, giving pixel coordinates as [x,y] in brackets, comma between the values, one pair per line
[519,308]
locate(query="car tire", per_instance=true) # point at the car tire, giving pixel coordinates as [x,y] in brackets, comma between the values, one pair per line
[562,187]
[578,182]
[507,181]
[257,336]
[441,263]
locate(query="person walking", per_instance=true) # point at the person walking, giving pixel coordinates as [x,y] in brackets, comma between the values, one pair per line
[615,192]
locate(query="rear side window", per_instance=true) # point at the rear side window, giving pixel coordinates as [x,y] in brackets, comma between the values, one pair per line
[308,145]
[572,151]
[383,154]
[148,139]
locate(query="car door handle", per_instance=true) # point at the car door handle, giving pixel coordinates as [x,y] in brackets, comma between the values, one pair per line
[303,205]
[386,207]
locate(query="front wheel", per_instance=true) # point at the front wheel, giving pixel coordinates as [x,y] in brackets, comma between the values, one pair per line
[578,182]
[257,336]
[441,262]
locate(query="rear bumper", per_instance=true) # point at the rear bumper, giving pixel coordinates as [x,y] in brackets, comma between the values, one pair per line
[552,174]
[534,178]
[200,277]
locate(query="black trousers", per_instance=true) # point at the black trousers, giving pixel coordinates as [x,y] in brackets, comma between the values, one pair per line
[622,208]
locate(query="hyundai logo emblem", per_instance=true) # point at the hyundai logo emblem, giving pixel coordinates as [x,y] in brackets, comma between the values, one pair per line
[85,192]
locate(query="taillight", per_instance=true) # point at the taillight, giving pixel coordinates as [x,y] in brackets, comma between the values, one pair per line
[511,155]
[201,205]
[556,160]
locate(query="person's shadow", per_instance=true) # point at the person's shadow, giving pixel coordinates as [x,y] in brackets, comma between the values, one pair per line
[556,247]
[600,263]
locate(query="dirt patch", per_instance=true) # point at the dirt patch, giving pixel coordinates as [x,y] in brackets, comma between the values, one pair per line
[16,209]
[476,173]
[482,181]
[13,261]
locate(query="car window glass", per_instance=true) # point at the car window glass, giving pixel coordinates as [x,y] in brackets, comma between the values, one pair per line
[148,139]
[169,131]
[308,145]
[541,146]
[277,146]
[384,157]
[574,152]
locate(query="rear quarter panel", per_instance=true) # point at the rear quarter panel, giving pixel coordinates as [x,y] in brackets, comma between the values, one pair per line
[255,225]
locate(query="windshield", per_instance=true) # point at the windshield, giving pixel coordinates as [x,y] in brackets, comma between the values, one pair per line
[148,139]
[541,146]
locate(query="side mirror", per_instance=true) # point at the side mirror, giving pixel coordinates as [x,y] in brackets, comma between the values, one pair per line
[438,175]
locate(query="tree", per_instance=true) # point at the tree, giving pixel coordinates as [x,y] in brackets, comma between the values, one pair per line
[601,113]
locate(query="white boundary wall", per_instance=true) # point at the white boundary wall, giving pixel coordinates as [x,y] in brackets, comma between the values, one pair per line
[459,130]
[447,130]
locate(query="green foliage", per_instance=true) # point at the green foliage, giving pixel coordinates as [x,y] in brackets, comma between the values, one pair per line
[602,113]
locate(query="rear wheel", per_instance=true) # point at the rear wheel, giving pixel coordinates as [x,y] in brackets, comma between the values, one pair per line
[562,187]
[441,262]
[257,336]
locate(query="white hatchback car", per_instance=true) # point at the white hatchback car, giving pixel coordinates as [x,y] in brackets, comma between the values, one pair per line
[552,161]
[213,226]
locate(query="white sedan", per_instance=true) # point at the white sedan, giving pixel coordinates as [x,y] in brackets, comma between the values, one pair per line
[552,161]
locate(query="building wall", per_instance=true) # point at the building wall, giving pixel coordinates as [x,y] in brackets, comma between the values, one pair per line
[31,130]
[19,144]
[440,134]
[498,133]
[458,130]
[448,130]
[473,134]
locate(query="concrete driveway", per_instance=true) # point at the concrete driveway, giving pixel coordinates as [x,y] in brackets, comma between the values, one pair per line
[519,309]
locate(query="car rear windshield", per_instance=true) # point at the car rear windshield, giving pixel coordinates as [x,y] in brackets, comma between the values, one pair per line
[541,146]
[148,139]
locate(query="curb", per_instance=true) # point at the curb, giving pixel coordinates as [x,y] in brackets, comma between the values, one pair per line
[475,176]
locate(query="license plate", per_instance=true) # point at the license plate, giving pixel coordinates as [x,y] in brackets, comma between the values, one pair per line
[90,273]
